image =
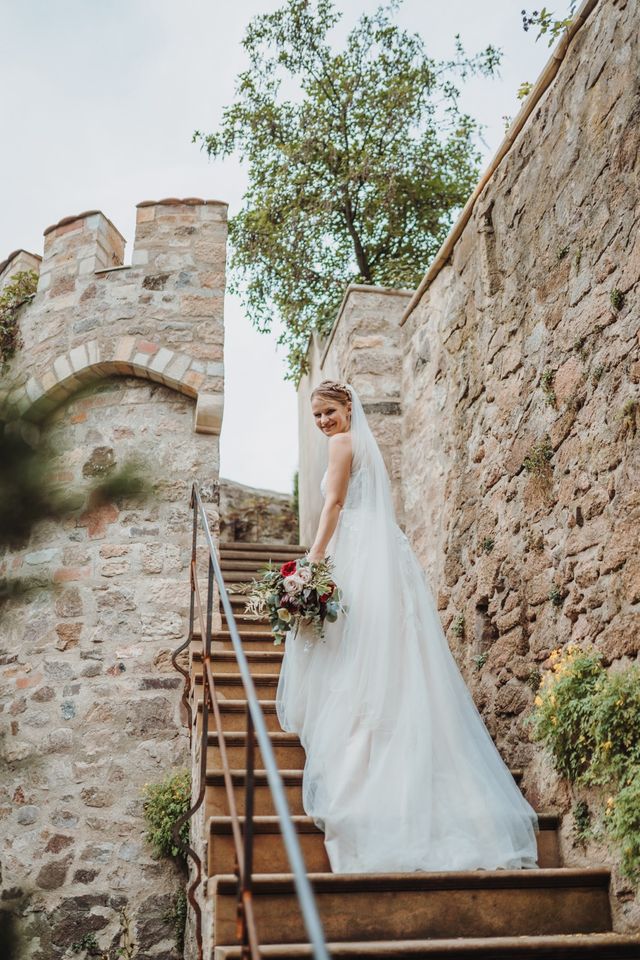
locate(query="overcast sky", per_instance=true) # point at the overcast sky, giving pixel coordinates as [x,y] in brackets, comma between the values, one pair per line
[100,101]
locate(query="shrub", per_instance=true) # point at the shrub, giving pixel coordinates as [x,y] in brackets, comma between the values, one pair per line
[589,720]
[164,803]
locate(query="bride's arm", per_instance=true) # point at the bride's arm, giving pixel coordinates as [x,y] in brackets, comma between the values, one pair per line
[337,482]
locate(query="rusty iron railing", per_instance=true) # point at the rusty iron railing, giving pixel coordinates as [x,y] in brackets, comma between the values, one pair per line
[256,730]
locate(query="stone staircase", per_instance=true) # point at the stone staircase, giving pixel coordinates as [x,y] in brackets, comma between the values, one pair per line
[553,913]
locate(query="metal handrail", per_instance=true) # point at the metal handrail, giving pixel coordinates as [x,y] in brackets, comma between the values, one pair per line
[256,730]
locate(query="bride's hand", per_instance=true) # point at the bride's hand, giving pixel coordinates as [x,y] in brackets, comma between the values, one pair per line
[315,557]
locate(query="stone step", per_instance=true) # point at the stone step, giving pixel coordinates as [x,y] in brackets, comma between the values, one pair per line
[258,558]
[216,796]
[246,625]
[286,746]
[244,622]
[221,640]
[265,548]
[252,563]
[229,686]
[243,619]
[576,946]
[270,855]
[417,906]
[234,715]
[225,660]
[238,602]
[234,575]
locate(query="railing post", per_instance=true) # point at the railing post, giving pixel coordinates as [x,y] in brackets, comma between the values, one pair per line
[207,648]
[245,888]
[194,563]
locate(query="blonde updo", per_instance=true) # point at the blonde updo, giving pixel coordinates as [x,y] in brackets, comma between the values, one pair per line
[332,390]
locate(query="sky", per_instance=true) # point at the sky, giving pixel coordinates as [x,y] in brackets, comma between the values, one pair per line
[100,102]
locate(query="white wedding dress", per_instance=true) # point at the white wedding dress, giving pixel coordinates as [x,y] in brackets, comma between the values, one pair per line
[401,773]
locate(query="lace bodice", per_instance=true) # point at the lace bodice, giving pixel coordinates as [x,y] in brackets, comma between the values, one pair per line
[348,518]
[352,491]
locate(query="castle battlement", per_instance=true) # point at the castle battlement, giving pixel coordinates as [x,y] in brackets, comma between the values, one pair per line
[161,317]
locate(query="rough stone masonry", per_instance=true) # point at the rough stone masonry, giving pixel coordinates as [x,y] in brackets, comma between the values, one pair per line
[513,391]
[88,697]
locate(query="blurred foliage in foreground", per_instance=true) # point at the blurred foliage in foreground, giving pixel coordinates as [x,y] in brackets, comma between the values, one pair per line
[29,493]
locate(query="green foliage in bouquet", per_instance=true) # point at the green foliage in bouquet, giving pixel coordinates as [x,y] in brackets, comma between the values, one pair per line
[589,719]
[314,596]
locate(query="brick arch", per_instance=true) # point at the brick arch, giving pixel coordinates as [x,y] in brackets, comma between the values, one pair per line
[127,356]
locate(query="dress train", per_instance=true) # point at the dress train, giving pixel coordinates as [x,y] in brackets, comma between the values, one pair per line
[401,772]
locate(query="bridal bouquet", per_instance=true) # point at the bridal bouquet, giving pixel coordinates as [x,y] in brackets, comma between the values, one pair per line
[297,592]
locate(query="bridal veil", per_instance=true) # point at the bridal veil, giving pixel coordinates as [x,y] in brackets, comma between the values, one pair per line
[401,772]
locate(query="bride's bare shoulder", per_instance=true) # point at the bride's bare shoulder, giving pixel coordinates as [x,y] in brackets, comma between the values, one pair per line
[343,438]
[340,450]
[340,443]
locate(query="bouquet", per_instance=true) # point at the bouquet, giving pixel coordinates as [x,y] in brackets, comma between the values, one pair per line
[298,592]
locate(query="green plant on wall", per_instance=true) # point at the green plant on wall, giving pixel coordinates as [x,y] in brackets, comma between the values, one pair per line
[617,299]
[164,803]
[537,460]
[128,949]
[480,659]
[582,826]
[177,917]
[546,382]
[20,288]
[627,415]
[589,720]
[537,464]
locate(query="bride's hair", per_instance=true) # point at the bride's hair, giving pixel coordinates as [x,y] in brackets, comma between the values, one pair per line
[332,390]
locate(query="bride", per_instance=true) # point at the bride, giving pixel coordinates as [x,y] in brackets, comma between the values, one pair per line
[401,773]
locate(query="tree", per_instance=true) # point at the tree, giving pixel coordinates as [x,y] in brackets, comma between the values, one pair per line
[357,161]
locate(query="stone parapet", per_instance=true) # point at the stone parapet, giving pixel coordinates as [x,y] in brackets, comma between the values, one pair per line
[160,318]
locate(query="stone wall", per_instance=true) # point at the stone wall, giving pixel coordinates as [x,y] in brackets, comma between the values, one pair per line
[254,515]
[519,471]
[363,348]
[118,362]
[526,347]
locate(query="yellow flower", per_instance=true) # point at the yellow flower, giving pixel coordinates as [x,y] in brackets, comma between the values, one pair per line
[554,719]
[538,701]
[607,745]
[610,801]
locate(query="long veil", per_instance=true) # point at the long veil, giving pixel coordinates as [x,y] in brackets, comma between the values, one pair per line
[401,772]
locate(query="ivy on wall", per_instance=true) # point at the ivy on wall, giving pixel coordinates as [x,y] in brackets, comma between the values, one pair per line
[20,288]
[589,719]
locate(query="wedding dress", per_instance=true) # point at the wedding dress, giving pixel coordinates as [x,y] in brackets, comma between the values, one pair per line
[401,773]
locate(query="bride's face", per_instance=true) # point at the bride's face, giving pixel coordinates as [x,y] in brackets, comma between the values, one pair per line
[330,415]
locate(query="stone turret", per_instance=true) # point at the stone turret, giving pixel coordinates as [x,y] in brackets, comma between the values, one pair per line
[160,318]
[86,677]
